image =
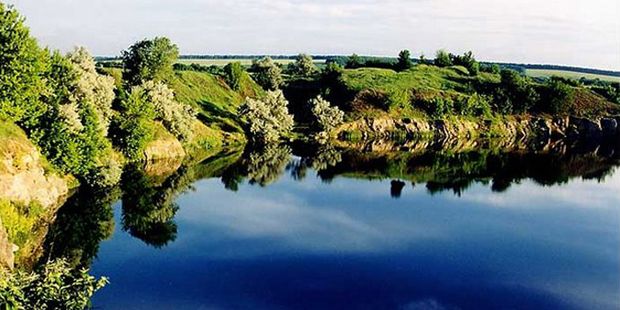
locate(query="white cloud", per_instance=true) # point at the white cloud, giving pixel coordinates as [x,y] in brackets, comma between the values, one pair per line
[562,32]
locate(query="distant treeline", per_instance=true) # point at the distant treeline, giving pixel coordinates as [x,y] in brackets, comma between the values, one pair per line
[383,62]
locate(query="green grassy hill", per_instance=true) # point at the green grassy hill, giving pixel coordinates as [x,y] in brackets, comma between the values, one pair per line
[374,91]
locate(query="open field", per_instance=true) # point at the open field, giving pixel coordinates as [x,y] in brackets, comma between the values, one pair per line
[570,74]
[245,62]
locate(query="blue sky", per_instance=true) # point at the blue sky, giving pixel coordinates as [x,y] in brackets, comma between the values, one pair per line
[569,32]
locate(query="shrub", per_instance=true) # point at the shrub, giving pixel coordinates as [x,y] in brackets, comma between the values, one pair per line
[442,59]
[303,66]
[268,119]
[53,286]
[558,96]
[438,106]
[131,128]
[233,73]
[178,118]
[148,60]
[474,105]
[267,73]
[326,117]
[515,93]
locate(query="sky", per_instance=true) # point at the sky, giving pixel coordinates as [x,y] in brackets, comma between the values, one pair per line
[564,32]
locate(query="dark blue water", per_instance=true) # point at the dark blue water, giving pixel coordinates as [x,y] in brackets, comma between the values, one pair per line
[346,242]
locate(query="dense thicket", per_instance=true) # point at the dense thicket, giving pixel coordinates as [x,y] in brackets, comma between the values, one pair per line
[268,118]
[267,73]
[149,60]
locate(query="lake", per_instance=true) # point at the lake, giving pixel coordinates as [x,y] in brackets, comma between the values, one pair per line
[320,227]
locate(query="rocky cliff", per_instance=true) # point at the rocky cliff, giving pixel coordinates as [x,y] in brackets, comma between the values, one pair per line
[509,128]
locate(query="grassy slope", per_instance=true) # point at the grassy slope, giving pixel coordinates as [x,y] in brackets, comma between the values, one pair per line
[430,81]
[216,102]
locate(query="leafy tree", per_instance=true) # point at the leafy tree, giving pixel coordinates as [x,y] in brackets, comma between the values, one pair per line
[268,118]
[303,66]
[22,67]
[148,60]
[404,60]
[267,73]
[353,62]
[326,117]
[132,128]
[233,73]
[442,59]
[468,61]
[267,163]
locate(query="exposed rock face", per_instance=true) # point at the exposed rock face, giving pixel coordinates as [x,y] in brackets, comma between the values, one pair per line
[23,178]
[164,149]
[6,249]
[511,128]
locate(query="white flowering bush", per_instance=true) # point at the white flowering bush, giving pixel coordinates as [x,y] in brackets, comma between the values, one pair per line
[178,118]
[326,117]
[268,118]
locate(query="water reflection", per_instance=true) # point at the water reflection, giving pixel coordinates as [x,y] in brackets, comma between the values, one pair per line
[271,227]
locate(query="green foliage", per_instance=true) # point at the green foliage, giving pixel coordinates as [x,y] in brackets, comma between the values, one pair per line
[326,117]
[438,107]
[53,286]
[267,73]
[233,73]
[558,96]
[474,105]
[303,66]
[72,132]
[268,118]
[149,60]
[178,118]
[404,60]
[354,61]
[132,128]
[267,163]
[22,64]
[515,93]
[468,61]
[442,59]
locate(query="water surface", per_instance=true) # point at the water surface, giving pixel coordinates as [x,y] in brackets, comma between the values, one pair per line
[327,228]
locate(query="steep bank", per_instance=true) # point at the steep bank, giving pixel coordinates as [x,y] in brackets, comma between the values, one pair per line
[508,127]
[30,193]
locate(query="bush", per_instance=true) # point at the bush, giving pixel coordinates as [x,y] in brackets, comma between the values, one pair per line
[53,286]
[267,73]
[303,66]
[515,93]
[438,107]
[268,119]
[326,117]
[474,105]
[442,59]
[233,73]
[178,118]
[558,97]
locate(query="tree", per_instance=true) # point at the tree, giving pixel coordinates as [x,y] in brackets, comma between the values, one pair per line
[149,60]
[558,96]
[303,66]
[353,62]
[22,67]
[326,117]
[268,119]
[404,60]
[132,128]
[267,73]
[233,73]
[442,59]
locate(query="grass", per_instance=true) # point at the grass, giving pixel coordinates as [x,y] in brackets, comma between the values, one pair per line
[398,87]
[570,74]
[245,62]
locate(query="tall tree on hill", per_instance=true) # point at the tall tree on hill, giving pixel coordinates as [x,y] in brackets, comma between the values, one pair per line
[149,60]
[404,60]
